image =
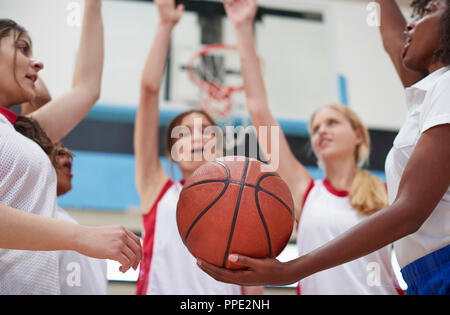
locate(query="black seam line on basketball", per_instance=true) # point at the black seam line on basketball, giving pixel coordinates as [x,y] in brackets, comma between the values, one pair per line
[266,229]
[236,211]
[246,184]
[227,182]
[207,181]
[258,188]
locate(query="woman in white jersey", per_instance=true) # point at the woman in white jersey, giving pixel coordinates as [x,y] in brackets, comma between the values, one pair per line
[167,266]
[325,208]
[27,177]
[418,176]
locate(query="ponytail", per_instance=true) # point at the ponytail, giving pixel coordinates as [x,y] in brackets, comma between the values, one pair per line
[368,193]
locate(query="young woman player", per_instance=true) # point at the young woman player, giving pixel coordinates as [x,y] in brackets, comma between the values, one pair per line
[418,177]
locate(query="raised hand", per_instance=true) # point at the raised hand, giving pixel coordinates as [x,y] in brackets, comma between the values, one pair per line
[168,13]
[241,12]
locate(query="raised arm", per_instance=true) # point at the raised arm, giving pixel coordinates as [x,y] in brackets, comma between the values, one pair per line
[242,14]
[150,176]
[393,25]
[25,231]
[42,97]
[63,113]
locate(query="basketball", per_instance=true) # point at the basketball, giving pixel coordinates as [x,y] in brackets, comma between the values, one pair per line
[235,205]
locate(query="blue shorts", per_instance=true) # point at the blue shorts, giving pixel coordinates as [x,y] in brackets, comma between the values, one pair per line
[429,275]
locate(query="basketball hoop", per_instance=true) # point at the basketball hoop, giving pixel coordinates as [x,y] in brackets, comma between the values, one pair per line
[209,79]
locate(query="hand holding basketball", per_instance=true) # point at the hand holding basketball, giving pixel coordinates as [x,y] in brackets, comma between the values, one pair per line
[168,13]
[231,206]
[258,271]
[241,12]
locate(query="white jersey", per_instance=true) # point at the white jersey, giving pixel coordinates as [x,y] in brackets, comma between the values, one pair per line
[28,183]
[326,214]
[167,267]
[79,274]
[428,104]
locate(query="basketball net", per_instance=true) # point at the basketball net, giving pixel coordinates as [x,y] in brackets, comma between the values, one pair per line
[215,70]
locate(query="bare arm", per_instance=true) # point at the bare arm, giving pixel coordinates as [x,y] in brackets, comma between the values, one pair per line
[424,182]
[150,176]
[26,231]
[242,13]
[63,113]
[393,24]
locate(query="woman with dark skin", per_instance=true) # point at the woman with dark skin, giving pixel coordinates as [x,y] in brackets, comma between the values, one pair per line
[423,181]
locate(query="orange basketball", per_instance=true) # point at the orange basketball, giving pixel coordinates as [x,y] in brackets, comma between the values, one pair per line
[235,206]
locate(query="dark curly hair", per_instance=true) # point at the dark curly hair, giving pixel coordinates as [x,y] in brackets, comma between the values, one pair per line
[30,128]
[443,53]
[418,7]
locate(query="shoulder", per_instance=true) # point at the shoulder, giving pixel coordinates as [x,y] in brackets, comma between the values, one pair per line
[439,83]
[436,111]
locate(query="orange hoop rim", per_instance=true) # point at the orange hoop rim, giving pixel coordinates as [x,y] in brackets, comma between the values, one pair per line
[215,91]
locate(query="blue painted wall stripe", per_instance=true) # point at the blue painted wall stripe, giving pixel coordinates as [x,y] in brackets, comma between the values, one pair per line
[343,89]
[106,181]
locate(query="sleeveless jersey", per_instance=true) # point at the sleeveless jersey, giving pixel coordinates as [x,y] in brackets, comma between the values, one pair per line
[326,214]
[167,267]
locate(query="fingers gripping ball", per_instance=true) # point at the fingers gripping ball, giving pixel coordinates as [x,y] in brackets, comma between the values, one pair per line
[235,206]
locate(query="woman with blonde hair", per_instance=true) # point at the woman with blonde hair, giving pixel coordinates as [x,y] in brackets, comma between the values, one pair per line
[328,207]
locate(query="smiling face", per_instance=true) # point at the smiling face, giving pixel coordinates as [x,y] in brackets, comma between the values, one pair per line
[334,137]
[422,38]
[194,145]
[19,69]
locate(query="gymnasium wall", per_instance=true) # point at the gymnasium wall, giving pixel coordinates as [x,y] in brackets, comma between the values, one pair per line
[356,51]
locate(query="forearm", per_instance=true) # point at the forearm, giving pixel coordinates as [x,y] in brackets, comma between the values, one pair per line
[89,63]
[278,152]
[147,119]
[255,90]
[393,23]
[156,61]
[26,231]
[381,229]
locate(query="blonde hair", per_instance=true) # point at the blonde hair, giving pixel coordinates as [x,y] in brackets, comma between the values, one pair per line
[368,193]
